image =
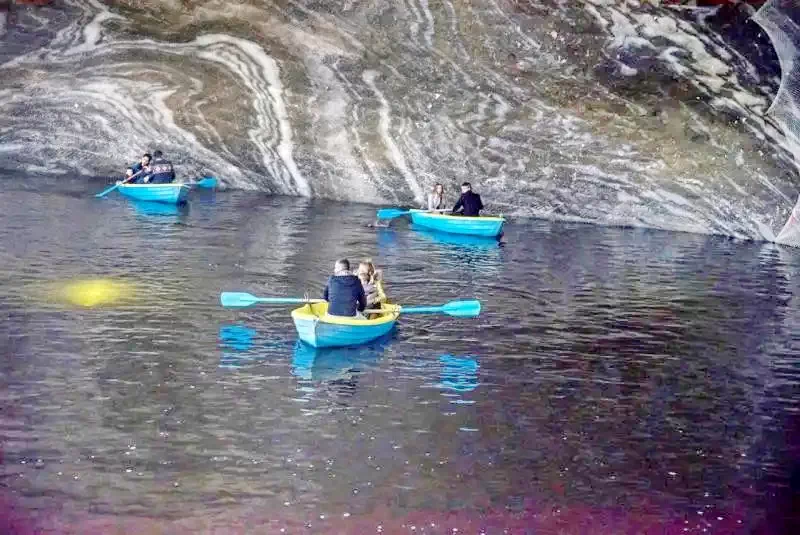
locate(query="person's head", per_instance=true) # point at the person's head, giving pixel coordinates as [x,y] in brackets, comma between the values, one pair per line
[366,270]
[465,187]
[129,172]
[146,158]
[158,154]
[342,267]
[438,189]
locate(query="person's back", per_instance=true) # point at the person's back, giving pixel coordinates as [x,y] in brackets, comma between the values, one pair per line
[344,292]
[470,203]
[161,170]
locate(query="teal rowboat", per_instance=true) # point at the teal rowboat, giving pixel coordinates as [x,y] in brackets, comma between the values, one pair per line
[172,193]
[486,226]
[317,329]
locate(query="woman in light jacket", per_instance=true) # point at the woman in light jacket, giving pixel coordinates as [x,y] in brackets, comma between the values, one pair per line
[436,198]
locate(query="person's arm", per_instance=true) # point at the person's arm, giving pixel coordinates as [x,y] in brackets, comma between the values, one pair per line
[459,204]
[480,203]
[381,292]
[325,292]
[362,299]
[431,203]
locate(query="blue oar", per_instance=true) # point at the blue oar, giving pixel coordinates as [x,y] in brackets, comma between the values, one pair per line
[242,299]
[208,182]
[391,213]
[118,184]
[459,309]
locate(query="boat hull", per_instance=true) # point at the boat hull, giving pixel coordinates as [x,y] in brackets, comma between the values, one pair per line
[173,193]
[486,226]
[317,329]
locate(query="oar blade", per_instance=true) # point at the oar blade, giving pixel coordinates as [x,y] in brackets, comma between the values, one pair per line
[391,213]
[207,182]
[107,191]
[237,299]
[463,309]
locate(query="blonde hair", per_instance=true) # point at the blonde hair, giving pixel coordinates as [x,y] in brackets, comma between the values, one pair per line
[372,273]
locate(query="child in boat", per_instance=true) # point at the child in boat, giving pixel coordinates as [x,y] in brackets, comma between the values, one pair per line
[372,281]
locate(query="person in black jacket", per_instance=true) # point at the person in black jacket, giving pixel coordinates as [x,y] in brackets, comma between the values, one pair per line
[344,292]
[469,202]
[161,170]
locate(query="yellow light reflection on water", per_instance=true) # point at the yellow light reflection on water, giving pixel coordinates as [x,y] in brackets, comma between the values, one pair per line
[91,293]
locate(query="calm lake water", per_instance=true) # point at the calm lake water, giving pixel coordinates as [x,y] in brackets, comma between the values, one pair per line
[617,380]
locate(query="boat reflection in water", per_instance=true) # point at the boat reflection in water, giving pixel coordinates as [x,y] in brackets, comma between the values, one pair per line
[338,367]
[476,243]
[461,251]
[154,209]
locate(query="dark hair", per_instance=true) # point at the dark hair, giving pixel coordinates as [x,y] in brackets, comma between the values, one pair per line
[345,263]
[158,154]
[467,184]
[147,155]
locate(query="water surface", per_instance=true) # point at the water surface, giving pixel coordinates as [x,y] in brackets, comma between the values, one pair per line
[617,380]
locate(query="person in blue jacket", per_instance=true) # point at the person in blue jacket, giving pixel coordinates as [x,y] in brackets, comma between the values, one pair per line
[344,292]
[469,202]
[161,170]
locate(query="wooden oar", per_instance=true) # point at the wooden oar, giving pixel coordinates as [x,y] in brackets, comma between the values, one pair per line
[118,184]
[459,309]
[242,299]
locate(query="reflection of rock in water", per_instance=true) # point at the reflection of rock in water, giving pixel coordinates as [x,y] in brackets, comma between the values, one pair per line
[372,101]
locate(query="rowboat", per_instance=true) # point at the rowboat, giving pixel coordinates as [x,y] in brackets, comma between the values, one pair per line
[317,329]
[487,226]
[173,193]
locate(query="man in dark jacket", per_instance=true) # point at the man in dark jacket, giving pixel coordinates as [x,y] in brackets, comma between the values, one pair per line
[344,292]
[161,170]
[470,203]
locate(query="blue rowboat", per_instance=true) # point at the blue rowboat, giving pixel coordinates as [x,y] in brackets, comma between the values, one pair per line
[173,193]
[487,226]
[316,328]
[207,182]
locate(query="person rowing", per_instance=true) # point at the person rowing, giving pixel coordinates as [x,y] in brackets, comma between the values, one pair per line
[160,170]
[469,203]
[138,169]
